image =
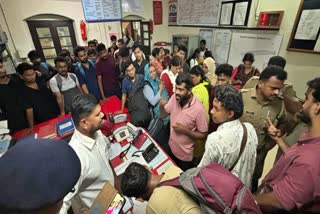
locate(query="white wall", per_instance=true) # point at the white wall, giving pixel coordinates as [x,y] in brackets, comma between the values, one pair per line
[17,11]
[301,67]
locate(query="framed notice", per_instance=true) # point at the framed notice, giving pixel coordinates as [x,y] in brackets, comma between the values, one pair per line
[101,10]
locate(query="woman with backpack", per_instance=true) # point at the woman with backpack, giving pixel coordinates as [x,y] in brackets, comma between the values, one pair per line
[244,72]
[154,89]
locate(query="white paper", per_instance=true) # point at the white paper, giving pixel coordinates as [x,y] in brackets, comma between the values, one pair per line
[240,12]
[198,12]
[132,6]
[262,45]
[226,12]
[308,26]
[206,34]
[101,10]
[317,46]
[221,44]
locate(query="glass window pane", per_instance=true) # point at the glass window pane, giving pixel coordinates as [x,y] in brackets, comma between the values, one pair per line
[146,43]
[63,31]
[43,32]
[47,43]
[69,48]
[145,27]
[65,41]
[50,61]
[146,35]
[49,53]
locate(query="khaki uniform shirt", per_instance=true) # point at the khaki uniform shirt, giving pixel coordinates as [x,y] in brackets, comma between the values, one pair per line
[256,114]
[171,200]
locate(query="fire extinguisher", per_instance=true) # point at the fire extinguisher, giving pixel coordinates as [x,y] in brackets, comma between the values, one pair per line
[83,30]
[151,26]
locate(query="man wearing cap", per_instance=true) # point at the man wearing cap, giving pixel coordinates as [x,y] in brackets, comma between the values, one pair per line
[92,148]
[36,175]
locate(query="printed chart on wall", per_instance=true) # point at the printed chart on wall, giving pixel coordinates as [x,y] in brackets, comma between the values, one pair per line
[263,46]
[221,40]
[206,34]
[101,10]
[198,12]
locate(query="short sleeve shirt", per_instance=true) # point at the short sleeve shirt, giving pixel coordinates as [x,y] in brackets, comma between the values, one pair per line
[67,83]
[193,117]
[295,177]
[127,84]
[256,113]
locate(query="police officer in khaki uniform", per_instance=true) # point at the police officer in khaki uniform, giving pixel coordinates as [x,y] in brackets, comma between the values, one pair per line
[260,103]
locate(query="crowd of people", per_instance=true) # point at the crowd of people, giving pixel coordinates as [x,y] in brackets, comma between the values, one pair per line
[209,111]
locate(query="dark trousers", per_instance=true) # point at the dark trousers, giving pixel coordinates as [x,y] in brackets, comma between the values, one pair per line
[183,165]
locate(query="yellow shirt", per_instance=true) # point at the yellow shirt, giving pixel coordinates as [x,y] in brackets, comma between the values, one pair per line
[202,94]
[171,200]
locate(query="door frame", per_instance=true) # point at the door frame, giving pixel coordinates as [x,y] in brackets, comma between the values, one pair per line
[52,25]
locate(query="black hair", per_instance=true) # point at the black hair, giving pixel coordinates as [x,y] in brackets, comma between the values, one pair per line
[225,69]
[91,51]
[203,41]
[198,71]
[59,59]
[248,57]
[100,47]
[113,38]
[167,51]
[64,53]
[134,180]
[92,42]
[124,52]
[82,106]
[1,59]
[315,86]
[22,67]
[185,78]
[208,54]
[121,41]
[277,61]
[183,48]
[275,71]
[175,61]
[33,55]
[155,52]
[126,64]
[78,49]
[135,46]
[231,99]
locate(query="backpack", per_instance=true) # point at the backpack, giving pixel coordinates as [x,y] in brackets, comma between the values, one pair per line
[81,69]
[217,190]
[139,107]
[59,80]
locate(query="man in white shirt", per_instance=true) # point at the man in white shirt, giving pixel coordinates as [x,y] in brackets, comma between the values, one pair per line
[223,146]
[64,85]
[92,148]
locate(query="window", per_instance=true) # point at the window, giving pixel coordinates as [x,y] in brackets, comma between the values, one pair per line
[50,37]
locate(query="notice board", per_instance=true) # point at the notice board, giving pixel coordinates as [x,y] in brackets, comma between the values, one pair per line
[101,10]
[305,33]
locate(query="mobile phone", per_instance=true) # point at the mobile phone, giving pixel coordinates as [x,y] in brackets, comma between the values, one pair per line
[116,205]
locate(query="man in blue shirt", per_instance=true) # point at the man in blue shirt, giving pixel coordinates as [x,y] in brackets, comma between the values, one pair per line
[131,81]
[86,73]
